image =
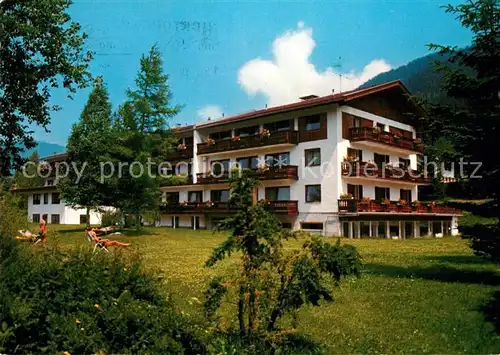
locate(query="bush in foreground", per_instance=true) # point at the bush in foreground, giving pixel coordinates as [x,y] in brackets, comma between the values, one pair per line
[77,302]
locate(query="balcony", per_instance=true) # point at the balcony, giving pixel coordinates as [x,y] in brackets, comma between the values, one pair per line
[175,180]
[180,153]
[374,135]
[361,206]
[254,141]
[269,173]
[278,207]
[372,171]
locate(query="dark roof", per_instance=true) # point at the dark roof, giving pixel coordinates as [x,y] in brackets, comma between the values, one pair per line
[55,157]
[318,101]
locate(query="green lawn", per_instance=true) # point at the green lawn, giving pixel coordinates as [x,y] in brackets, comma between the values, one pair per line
[414,296]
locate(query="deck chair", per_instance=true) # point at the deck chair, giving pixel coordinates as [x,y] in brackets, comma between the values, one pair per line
[97,245]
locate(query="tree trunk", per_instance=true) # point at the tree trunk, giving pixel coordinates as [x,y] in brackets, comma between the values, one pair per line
[252,312]
[138,220]
[88,216]
[241,310]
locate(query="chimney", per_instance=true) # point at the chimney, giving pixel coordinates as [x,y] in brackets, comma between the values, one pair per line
[308,97]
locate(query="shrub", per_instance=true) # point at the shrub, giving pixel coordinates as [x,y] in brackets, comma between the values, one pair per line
[111,218]
[12,217]
[78,302]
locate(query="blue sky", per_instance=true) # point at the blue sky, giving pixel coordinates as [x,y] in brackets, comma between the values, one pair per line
[231,57]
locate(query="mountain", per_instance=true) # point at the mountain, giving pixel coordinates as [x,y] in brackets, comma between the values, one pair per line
[44,149]
[419,76]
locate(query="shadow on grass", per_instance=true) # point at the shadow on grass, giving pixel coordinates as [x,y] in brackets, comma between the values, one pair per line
[458,259]
[491,311]
[436,273]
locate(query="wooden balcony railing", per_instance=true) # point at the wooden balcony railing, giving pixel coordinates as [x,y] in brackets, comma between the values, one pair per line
[387,138]
[268,173]
[258,140]
[180,154]
[278,207]
[175,180]
[372,171]
[355,206]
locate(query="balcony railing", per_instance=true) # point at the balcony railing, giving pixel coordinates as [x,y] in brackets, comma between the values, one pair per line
[375,135]
[180,154]
[268,173]
[355,206]
[254,141]
[372,171]
[278,207]
[175,180]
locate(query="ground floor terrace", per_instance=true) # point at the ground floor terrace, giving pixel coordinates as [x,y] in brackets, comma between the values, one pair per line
[354,225]
[398,226]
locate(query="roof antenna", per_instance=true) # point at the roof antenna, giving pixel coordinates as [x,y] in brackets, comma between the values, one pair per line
[339,67]
[498,92]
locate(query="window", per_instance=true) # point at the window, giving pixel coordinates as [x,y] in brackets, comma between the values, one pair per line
[248,162]
[172,197]
[356,191]
[49,183]
[45,199]
[36,199]
[356,153]
[380,160]
[219,195]
[312,225]
[381,127]
[220,167]
[313,157]
[83,219]
[54,218]
[36,218]
[404,163]
[405,195]
[285,125]
[246,131]
[195,196]
[220,135]
[278,160]
[313,193]
[55,198]
[382,193]
[313,123]
[278,193]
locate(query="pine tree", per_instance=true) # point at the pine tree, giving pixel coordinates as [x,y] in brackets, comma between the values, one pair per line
[90,144]
[468,128]
[271,282]
[144,135]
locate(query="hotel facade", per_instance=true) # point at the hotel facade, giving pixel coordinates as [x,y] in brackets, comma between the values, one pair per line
[339,165]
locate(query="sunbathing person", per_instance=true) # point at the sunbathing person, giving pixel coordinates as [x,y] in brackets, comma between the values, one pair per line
[107,243]
[26,235]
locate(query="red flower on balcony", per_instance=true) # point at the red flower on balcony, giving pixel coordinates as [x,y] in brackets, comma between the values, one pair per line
[210,142]
[385,201]
[266,133]
[365,200]
[235,138]
[402,202]
[210,204]
[181,147]
[184,203]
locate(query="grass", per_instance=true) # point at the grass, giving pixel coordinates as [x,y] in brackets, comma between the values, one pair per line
[415,296]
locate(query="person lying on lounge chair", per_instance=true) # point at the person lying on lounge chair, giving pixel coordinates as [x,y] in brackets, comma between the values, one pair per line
[27,235]
[105,230]
[106,242]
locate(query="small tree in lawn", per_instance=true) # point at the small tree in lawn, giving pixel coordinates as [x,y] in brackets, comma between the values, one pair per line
[144,135]
[89,145]
[271,282]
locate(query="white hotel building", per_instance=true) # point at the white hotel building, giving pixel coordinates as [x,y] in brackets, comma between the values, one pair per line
[306,180]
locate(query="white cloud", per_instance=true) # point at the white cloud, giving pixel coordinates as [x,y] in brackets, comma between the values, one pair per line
[209,111]
[291,75]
